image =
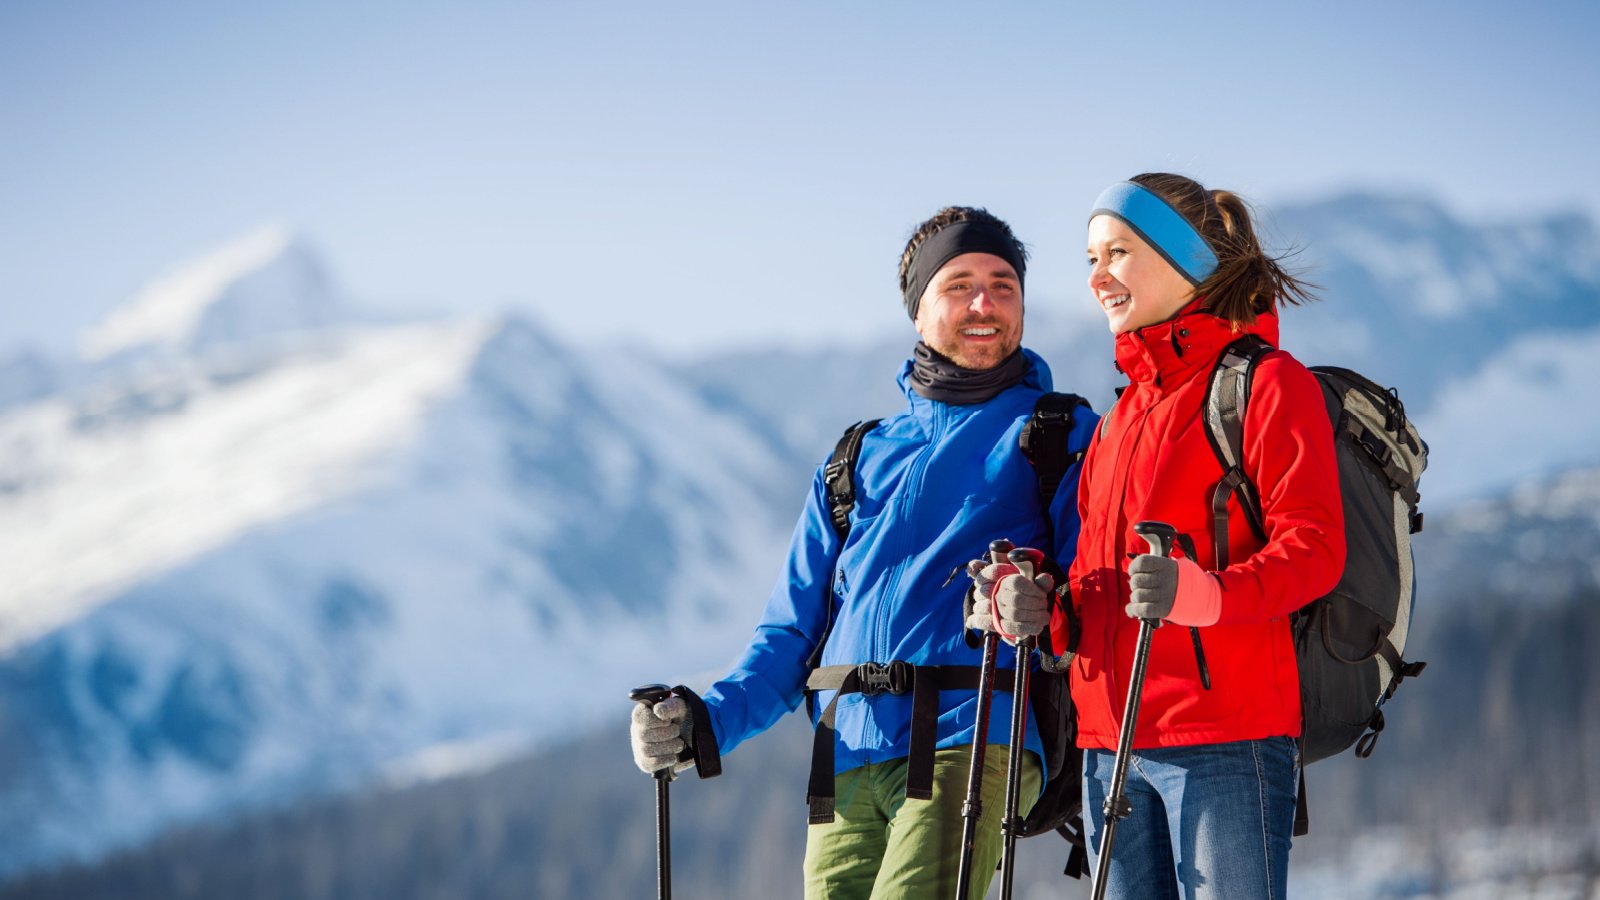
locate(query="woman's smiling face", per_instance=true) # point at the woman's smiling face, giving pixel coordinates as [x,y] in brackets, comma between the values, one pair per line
[1133,283]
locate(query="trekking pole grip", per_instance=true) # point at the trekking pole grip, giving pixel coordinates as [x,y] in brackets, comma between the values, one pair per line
[1159,535]
[1000,549]
[648,695]
[1027,560]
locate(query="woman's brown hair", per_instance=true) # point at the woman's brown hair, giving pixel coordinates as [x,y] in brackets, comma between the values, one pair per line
[1247,281]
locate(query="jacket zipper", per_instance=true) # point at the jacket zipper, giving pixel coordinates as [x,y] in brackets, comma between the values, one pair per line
[1124,462]
[913,478]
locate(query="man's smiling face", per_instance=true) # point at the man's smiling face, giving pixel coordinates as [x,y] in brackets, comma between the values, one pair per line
[971,311]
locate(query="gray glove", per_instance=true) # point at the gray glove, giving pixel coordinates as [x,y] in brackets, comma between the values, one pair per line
[660,734]
[1024,603]
[1153,584]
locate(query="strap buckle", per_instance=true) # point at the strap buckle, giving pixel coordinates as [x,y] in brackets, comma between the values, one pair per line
[894,678]
[1375,447]
[833,470]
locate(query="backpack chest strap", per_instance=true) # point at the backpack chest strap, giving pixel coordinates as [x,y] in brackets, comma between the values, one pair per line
[923,683]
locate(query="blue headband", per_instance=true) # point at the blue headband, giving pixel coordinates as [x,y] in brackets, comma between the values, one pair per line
[1161,226]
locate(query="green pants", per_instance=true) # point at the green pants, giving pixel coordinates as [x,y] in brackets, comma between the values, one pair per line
[881,845]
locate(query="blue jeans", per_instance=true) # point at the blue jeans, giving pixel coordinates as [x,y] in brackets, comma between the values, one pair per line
[1208,821]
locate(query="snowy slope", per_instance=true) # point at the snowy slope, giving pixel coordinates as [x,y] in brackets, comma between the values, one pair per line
[265,284]
[25,376]
[1418,297]
[146,475]
[1530,411]
[1540,543]
[227,584]
[1468,864]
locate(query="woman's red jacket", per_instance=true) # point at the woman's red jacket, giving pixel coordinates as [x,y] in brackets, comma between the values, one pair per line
[1152,460]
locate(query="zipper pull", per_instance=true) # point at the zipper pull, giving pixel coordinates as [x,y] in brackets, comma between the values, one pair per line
[953,573]
[1200,658]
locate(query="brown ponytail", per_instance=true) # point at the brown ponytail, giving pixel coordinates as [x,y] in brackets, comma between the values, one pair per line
[1247,281]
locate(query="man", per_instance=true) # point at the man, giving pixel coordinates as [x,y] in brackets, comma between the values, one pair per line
[933,486]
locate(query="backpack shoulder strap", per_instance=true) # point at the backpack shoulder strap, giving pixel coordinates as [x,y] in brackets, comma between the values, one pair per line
[1044,442]
[840,476]
[1227,396]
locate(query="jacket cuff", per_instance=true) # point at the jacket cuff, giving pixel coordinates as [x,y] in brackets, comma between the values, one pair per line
[703,748]
[1199,599]
[973,639]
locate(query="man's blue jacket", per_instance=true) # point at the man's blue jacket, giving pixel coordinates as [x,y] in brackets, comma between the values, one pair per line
[935,484]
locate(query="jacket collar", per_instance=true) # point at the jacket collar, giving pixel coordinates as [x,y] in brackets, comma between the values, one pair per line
[1037,377]
[1171,352]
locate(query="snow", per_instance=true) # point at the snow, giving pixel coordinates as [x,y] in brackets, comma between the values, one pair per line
[1528,412]
[24,376]
[103,500]
[265,283]
[327,555]
[454,759]
[1535,863]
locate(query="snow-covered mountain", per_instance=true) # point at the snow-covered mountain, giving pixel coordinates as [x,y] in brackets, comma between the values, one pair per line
[257,544]
[25,376]
[1538,543]
[266,284]
[233,576]
[1420,298]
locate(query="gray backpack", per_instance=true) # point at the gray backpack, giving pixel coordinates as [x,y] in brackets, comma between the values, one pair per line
[1348,644]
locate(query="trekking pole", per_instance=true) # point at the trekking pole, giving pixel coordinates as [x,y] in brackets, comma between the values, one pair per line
[649,695]
[972,809]
[1159,535]
[1027,562]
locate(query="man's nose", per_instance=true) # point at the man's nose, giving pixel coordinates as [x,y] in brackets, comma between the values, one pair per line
[981,300]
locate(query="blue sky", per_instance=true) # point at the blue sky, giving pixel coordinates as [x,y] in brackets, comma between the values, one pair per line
[690,174]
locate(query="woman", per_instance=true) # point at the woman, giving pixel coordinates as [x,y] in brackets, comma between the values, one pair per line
[1180,274]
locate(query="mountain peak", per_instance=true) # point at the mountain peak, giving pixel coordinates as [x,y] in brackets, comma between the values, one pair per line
[267,283]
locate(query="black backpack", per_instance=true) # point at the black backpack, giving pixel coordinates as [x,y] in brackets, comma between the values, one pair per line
[1348,644]
[1044,441]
